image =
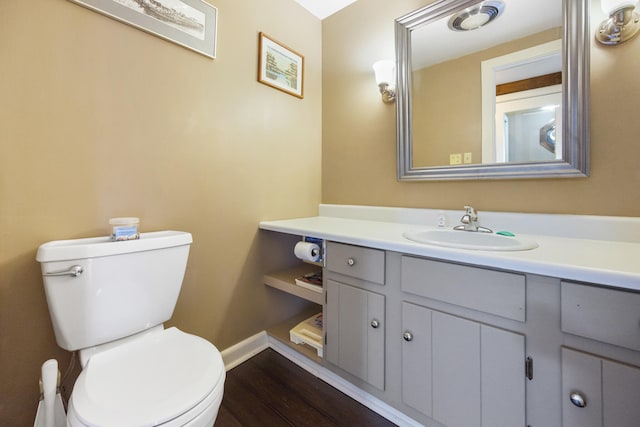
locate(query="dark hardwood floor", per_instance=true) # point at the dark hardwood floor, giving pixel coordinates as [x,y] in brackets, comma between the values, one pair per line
[269,390]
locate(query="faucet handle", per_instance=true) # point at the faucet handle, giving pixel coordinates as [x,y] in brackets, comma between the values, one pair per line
[471,212]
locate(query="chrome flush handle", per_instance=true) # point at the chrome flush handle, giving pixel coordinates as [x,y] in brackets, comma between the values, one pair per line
[73,271]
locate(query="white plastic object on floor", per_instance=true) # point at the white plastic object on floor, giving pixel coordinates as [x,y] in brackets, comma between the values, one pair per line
[308,332]
[50,408]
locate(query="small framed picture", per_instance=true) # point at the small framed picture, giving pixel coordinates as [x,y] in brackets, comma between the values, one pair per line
[280,67]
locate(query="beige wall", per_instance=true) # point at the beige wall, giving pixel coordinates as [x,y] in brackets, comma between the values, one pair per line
[99,119]
[359,150]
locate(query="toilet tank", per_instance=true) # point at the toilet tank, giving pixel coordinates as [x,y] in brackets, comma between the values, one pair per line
[124,288]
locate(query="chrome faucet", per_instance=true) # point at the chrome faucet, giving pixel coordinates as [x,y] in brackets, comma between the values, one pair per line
[470,222]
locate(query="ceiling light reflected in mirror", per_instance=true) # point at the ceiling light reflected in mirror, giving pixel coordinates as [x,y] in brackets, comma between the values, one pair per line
[476,16]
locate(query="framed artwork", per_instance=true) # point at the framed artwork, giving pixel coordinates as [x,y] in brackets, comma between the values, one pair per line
[280,67]
[189,23]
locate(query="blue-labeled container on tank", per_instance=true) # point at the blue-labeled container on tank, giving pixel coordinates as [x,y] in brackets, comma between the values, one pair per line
[124,228]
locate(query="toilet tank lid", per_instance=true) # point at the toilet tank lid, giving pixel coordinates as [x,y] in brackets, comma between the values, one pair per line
[93,247]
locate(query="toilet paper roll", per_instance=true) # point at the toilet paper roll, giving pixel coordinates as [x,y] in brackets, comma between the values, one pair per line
[307,251]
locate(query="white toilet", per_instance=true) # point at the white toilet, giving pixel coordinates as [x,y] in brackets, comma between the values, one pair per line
[109,301]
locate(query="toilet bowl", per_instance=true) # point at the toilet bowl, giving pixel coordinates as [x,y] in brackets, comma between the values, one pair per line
[166,378]
[109,301]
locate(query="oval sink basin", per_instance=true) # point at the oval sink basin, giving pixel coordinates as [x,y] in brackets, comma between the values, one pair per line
[470,240]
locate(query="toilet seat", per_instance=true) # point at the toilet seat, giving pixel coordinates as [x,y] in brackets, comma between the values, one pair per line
[163,378]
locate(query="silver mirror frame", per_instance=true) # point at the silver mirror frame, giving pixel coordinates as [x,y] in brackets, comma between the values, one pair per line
[575,68]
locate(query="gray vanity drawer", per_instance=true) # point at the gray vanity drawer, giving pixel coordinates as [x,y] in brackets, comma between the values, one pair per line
[356,261]
[607,315]
[495,292]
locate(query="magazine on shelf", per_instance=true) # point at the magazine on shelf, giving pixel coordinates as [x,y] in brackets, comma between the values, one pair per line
[312,281]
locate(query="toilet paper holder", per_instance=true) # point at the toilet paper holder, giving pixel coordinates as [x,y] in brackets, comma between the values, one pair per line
[311,244]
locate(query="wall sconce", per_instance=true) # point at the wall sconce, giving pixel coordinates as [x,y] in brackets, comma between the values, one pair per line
[623,23]
[386,79]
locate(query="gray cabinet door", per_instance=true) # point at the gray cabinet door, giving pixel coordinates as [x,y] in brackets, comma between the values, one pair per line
[620,394]
[456,371]
[502,356]
[355,331]
[581,375]
[610,391]
[462,373]
[416,358]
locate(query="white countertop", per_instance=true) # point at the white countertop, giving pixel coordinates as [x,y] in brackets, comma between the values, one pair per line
[605,262]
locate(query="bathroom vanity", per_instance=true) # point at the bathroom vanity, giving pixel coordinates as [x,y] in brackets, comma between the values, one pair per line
[456,337]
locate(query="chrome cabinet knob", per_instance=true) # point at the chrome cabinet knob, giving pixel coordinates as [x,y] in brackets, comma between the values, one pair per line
[375,324]
[578,399]
[407,336]
[351,262]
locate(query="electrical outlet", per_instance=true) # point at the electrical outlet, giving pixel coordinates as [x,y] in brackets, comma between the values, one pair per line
[442,219]
[467,158]
[455,159]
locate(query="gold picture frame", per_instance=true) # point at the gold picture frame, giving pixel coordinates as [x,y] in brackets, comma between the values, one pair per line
[280,67]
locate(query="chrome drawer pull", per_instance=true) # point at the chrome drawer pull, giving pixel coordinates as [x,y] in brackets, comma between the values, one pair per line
[73,271]
[577,399]
[407,336]
[375,324]
[351,262]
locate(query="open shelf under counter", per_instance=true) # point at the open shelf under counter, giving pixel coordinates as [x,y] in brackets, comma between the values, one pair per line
[281,333]
[285,280]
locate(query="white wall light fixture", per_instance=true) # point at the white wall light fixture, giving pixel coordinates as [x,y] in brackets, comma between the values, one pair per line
[386,79]
[623,23]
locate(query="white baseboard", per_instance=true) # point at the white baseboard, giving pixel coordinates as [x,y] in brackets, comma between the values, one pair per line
[245,350]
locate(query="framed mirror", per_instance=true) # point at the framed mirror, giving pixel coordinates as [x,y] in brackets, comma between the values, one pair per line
[493,90]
